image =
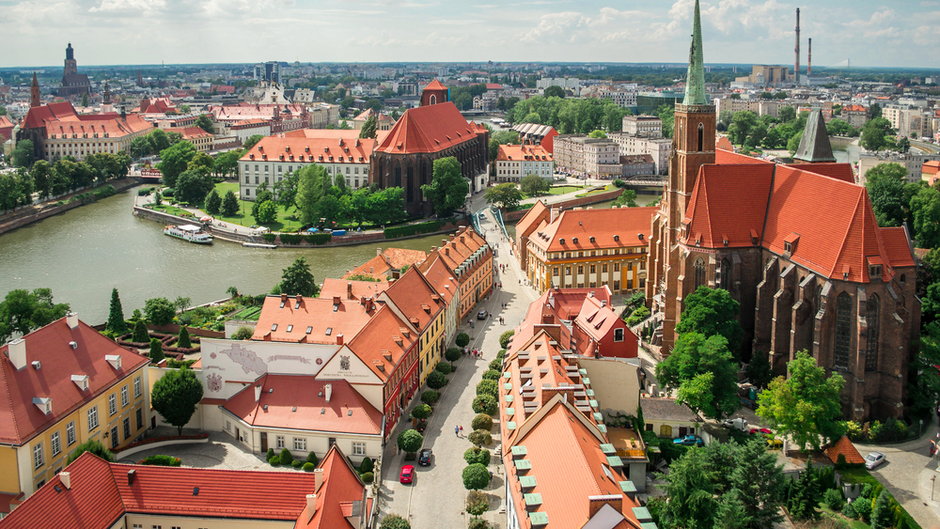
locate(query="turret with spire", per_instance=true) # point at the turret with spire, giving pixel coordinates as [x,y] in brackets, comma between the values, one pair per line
[34,99]
[106,105]
[695,79]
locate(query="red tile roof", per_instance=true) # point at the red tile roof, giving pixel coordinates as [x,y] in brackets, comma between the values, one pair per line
[100,493]
[383,342]
[839,171]
[845,448]
[628,225]
[331,321]
[530,221]
[292,149]
[253,111]
[519,153]
[429,128]
[61,119]
[439,276]
[930,167]
[721,189]
[415,298]
[354,290]
[435,85]
[190,133]
[460,247]
[386,261]
[157,105]
[298,402]
[20,419]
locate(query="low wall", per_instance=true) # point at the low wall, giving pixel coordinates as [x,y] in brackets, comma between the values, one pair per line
[38,212]
[158,443]
[596,198]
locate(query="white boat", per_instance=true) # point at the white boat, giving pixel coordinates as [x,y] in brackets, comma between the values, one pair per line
[188,232]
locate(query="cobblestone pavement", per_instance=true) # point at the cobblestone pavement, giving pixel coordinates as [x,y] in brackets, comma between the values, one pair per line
[220,452]
[437,496]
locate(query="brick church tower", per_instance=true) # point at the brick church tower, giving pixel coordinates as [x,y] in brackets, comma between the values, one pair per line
[434,93]
[693,145]
[34,98]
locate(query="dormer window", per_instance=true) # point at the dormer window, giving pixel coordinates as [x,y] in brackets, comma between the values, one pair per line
[789,244]
[290,328]
[44,404]
[273,327]
[874,271]
[329,331]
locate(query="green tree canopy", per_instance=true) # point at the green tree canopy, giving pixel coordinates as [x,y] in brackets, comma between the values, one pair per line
[393,521]
[251,141]
[156,351]
[116,323]
[175,397]
[230,205]
[193,186]
[627,198]
[297,280]
[890,193]
[369,128]
[23,311]
[505,196]
[226,163]
[159,311]
[448,188]
[174,160]
[711,311]
[313,183]
[95,447]
[806,405]
[410,440]
[213,204]
[204,122]
[705,373]
[876,135]
[266,212]
[534,185]
[475,476]
[554,91]
[925,210]
[24,154]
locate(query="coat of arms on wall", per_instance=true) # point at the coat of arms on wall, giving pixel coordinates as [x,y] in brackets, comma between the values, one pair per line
[344,362]
[214,381]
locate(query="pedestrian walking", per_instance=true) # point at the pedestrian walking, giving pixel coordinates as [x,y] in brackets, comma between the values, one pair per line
[457,431]
[461,428]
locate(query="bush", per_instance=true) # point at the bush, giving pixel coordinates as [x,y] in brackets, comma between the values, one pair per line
[430,396]
[318,239]
[93,446]
[286,457]
[462,340]
[485,404]
[367,465]
[410,441]
[367,477]
[848,510]
[853,431]
[505,338]
[243,333]
[477,502]
[183,340]
[833,498]
[482,422]
[436,380]
[269,454]
[140,332]
[413,229]
[275,461]
[638,315]
[444,367]
[480,437]
[496,364]
[393,521]
[475,477]
[862,509]
[161,461]
[491,374]
[308,466]
[290,238]
[269,237]
[477,455]
[478,523]
[452,354]
[296,463]
[421,411]
[488,387]
[312,458]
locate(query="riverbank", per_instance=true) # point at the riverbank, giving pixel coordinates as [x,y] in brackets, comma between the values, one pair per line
[30,214]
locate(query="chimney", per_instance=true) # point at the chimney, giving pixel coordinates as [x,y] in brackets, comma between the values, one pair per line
[311,504]
[16,350]
[796,50]
[327,393]
[257,392]
[339,339]
[72,320]
[378,252]
[809,57]
[131,476]
[596,502]
[66,479]
[349,289]
[336,300]
[317,479]
[283,299]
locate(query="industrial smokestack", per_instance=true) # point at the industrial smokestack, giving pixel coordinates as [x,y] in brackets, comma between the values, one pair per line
[809,57]
[796,50]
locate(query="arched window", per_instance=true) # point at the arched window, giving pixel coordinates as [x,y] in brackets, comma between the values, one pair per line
[432,100]
[873,315]
[699,270]
[843,336]
[701,137]
[726,274]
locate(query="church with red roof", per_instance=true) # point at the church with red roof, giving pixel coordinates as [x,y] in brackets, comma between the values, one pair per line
[796,244]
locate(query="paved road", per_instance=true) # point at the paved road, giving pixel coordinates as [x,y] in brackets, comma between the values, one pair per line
[909,474]
[437,496]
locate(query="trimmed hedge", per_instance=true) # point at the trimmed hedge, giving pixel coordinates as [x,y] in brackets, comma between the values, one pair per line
[444,367]
[291,238]
[161,461]
[413,229]
[477,455]
[269,237]
[488,387]
[482,422]
[367,477]
[436,380]
[485,404]
[453,354]
[430,396]
[317,239]
[308,467]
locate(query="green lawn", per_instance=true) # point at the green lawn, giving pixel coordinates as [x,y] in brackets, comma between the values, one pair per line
[286,221]
[561,190]
[608,187]
[172,210]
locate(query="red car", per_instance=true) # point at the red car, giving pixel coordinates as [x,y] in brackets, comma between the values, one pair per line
[762,431]
[407,474]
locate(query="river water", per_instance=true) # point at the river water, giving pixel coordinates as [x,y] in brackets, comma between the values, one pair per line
[82,254]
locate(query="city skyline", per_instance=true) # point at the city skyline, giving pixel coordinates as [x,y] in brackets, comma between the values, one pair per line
[737,31]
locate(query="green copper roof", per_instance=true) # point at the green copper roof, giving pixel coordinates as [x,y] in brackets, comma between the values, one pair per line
[695,80]
[814,145]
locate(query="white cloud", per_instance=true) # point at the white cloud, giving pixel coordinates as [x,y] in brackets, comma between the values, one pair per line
[143,7]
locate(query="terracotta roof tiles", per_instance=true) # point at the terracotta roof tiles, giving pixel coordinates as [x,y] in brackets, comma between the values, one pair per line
[844,447]
[426,129]
[329,320]
[292,149]
[592,229]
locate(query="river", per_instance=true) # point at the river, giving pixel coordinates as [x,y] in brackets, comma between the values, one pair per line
[84,253]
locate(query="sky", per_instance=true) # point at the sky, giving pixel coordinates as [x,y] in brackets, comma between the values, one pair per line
[867,32]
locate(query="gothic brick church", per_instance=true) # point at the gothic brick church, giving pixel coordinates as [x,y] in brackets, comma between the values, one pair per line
[797,244]
[436,129]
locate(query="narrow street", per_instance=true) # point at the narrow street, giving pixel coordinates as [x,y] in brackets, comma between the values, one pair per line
[437,496]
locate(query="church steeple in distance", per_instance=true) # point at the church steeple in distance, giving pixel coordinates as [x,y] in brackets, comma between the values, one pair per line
[695,79]
[34,99]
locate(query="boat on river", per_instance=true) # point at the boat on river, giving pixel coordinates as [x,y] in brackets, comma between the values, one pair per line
[188,232]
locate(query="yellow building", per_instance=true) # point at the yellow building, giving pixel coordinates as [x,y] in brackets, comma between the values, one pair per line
[470,260]
[415,300]
[62,385]
[590,248]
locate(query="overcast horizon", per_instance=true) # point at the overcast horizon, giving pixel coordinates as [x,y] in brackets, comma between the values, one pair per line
[120,32]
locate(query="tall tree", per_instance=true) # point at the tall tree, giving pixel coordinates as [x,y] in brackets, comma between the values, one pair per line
[285,191]
[24,154]
[534,185]
[506,195]
[689,487]
[805,405]
[156,351]
[705,373]
[41,173]
[226,163]
[174,160]
[925,210]
[22,311]
[369,128]
[202,163]
[760,481]
[313,183]
[116,323]
[875,135]
[204,122]
[213,203]
[711,311]
[230,205]
[554,91]
[250,141]
[890,193]
[297,280]
[448,188]
[193,186]
[175,397]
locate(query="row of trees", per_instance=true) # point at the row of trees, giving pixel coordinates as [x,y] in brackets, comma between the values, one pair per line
[569,116]
[52,179]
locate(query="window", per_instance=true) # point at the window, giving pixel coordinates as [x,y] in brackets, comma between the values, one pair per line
[616,267]
[125,399]
[38,459]
[873,310]
[698,273]
[127,428]
[618,335]
[593,269]
[300,444]
[580,269]
[55,444]
[70,433]
[92,418]
[358,449]
[725,275]
[843,330]
[112,404]
[279,442]
[140,418]
[332,441]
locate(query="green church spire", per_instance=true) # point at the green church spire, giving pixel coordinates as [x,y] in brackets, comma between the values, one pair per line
[695,79]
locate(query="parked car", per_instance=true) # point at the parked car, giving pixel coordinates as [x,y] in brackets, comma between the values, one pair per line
[873,459]
[737,424]
[424,457]
[689,440]
[774,443]
[481,315]
[407,474]
[761,431]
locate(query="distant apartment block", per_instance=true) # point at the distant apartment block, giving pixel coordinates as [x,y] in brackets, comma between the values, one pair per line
[513,162]
[581,155]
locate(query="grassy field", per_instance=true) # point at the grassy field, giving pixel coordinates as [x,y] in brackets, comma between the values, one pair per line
[286,221]
[561,190]
[172,210]
[604,189]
